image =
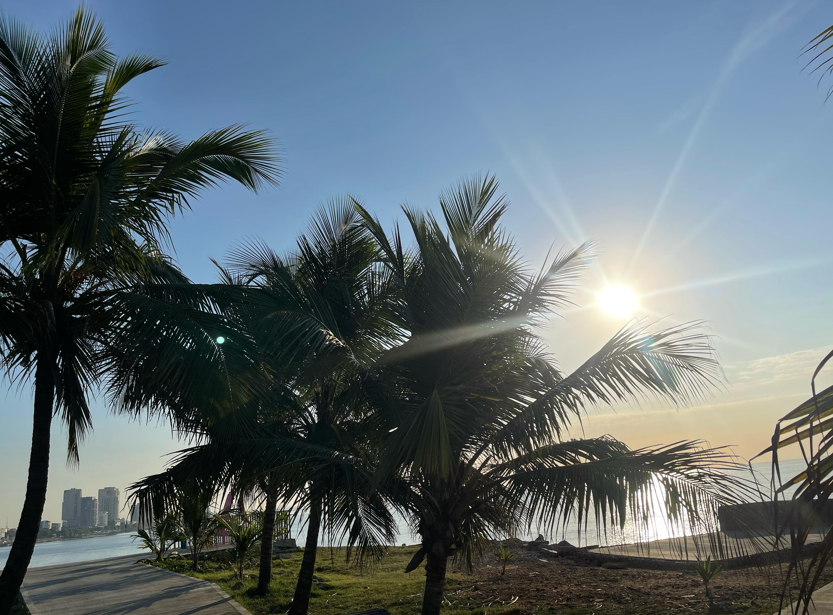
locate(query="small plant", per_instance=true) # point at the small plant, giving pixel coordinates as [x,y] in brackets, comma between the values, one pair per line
[504,555]
[707,571]
[161,536]
[197,524]
[244,531]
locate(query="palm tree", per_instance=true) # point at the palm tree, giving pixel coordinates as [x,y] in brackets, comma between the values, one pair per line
[809,427]
[245,531]
[196,521]
[819,51]
[85,287]
[319,316]
[479,414]
[332,280]
[162,534]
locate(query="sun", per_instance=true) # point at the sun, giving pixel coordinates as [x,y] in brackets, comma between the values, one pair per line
[617,301]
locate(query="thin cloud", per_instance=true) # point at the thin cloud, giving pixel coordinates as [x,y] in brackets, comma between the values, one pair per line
[781,368]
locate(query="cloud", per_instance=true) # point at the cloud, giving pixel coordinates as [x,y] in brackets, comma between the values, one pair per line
[782,368]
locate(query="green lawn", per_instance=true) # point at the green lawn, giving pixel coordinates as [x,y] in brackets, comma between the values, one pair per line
[341,588]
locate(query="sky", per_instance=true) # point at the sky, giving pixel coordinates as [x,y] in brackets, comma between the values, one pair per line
[684,139]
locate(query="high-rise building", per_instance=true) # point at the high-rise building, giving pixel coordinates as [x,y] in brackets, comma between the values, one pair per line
[108,501]
[89,512]
[71,508]
[103,517]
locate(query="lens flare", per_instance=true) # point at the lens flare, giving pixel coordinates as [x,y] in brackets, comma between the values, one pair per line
[617,301]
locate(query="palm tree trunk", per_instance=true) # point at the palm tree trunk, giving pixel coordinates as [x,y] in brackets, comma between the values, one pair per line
[195,552]
[435,568]
[264,576]
[29,524]
[300,602]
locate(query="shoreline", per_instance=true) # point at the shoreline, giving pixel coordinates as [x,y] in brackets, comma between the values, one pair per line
[67,539]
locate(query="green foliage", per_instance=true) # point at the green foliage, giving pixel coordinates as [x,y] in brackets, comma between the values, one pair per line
[417,379]
[810,428]
[505,556]
[196,521]
[320,316]
[161,536]
[89,300]
[339,588]
[478,413]
[244,531]
[820,58]
[86,197]
[708,571]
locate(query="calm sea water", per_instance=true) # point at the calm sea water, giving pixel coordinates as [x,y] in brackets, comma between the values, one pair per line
[79,550]
[88,549]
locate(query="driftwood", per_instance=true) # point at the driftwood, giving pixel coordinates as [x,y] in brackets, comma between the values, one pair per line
[586,557]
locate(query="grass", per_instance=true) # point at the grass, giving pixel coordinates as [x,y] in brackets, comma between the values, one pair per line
[340,588]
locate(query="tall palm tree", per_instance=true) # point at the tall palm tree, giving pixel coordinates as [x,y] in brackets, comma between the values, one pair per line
[85,198]
[479,414]
[333,279]
[319,316]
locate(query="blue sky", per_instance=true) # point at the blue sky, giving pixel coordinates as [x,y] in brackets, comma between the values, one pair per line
[682,137]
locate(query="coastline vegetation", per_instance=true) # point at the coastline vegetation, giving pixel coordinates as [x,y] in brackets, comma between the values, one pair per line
[413,380]
[362,375]
[534,583]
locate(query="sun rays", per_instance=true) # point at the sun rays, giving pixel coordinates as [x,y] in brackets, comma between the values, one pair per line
[752,40]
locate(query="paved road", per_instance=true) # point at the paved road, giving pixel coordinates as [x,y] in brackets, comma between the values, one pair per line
[120,585]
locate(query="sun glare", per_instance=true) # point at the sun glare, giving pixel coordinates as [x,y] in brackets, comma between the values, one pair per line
[617,301]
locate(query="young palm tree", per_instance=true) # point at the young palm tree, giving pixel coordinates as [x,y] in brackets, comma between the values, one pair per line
[161,535]
[84,202]
[245,531]
[479,415]
[196,521]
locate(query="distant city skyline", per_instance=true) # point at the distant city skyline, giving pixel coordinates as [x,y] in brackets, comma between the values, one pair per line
[79,511]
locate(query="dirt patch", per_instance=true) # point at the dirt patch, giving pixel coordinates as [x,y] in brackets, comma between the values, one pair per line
[538,582]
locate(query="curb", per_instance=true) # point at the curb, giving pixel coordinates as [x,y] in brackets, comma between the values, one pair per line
[237,606]
[231,601]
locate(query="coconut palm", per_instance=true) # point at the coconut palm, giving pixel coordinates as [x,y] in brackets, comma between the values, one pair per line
[332,280]
[196,521]
[319,315]
[245,531]
[161,534]
[479,414]
[84,282]
[820,59]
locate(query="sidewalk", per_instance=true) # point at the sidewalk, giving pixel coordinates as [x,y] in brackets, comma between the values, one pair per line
[121,585]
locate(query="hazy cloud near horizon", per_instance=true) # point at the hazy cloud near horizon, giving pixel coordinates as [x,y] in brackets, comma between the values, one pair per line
[767,370]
